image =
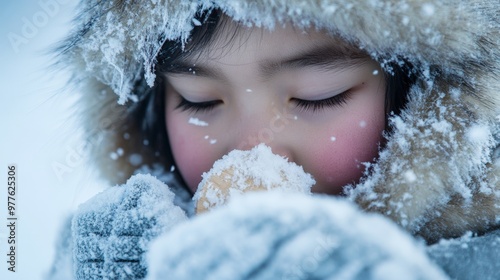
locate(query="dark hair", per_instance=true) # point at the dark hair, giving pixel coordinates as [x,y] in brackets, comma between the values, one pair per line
[150,112]
[397,86]
[148,115]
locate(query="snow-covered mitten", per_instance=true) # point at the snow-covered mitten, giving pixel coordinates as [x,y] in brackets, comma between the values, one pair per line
[469,257]
[112,230]
[276,235]
[240,172]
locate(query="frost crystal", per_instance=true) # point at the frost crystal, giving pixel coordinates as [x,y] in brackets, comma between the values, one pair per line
[410,176]
[405,20]
[197,122]
[478,133]
[196,22]
[113,156]
[428,9]
[135,159]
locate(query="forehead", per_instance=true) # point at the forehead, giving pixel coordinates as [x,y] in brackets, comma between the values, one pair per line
[231,38]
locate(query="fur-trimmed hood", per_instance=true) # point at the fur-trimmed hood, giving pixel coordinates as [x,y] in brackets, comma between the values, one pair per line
[436,176]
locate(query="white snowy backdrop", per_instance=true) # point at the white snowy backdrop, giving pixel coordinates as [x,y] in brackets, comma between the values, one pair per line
[38,134]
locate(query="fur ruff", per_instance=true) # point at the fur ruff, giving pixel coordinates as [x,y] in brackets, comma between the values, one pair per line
[436,177]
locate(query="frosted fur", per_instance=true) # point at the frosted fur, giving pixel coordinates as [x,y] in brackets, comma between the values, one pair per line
[449,171]
[126,39]
[436,176]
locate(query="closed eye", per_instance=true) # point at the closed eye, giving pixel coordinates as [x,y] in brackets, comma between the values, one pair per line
[337,100]
[197,107]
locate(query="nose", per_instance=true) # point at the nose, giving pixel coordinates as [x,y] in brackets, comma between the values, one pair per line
[257,131]
[282,151]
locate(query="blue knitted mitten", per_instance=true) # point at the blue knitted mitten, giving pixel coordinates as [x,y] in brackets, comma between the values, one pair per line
[289,236]
[111,232]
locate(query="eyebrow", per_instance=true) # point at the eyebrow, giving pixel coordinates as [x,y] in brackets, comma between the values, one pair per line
[330,57]
[324,57]
[187,68]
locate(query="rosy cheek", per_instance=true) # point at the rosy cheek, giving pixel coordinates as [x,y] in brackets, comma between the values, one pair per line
[190,161]
[190,150]
[338,155]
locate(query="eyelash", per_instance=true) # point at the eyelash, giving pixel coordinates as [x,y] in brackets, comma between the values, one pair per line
[306,105]
[197,107]
[315,105]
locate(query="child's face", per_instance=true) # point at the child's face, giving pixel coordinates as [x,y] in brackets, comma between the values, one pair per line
[308,96]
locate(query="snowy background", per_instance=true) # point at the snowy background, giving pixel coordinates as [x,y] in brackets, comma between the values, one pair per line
[38,132]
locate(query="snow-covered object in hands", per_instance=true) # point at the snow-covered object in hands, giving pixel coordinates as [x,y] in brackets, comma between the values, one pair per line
[257,169]
[288,236]
[112,230]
